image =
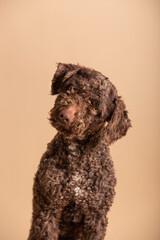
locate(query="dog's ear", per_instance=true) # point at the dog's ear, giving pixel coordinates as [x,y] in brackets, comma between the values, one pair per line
[118,121]
[63,72]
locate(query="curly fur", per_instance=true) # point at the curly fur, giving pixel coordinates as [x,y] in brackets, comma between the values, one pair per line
[74,185]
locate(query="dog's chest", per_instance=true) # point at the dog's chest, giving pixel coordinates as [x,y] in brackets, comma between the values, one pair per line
[80,179]
[79,185]
[84,172]
[84,180]
[76,184]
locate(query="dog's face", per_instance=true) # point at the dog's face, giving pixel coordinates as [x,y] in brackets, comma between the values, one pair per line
[80,107]
[86,100]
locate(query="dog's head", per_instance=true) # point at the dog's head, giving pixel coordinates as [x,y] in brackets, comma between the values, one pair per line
[86,101]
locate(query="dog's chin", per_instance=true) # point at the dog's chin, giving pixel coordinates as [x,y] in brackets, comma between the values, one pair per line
[69,132]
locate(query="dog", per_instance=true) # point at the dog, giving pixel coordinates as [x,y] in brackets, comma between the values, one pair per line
[74,186]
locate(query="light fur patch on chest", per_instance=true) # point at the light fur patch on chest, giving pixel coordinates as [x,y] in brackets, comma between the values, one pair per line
[76,184]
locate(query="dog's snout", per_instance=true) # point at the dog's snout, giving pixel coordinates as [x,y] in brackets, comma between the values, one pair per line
[67,115]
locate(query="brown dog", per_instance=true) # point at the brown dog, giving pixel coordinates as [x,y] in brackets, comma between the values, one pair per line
[74,184]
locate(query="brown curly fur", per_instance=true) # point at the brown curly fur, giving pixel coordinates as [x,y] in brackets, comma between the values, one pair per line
[74,184]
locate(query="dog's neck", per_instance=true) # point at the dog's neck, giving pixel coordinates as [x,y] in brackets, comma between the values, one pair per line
[73,149]
[84,143]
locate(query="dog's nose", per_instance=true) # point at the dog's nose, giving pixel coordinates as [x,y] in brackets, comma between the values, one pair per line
[67,115]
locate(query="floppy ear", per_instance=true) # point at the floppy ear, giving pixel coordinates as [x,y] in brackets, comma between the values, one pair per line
[118,123]
[63,72]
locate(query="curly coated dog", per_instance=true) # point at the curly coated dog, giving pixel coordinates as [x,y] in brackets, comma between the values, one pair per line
[74,185]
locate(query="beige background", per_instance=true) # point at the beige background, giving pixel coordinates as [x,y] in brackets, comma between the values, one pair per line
[117,37]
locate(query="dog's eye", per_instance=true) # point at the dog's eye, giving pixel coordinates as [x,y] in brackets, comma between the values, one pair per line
[95,109]
[94,106]
[72,89]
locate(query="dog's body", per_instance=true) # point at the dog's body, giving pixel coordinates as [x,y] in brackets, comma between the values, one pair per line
[74,184]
